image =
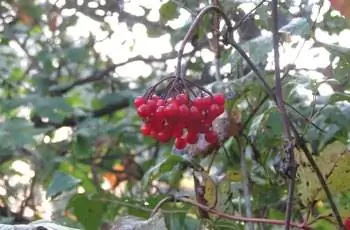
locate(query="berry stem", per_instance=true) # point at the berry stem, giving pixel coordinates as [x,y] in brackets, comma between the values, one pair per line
[191,30]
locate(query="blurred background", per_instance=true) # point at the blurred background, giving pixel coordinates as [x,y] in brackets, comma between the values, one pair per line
[70,146]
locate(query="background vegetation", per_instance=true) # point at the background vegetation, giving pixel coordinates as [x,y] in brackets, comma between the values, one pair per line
[71,149]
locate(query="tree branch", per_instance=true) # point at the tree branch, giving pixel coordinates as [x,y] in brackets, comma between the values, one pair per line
[289,146]
[112,6]
[60,90]
[225,215]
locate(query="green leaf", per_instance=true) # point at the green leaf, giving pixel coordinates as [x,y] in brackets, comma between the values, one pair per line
[335,49]
[338,96]
[61,182]
[297,26]
[175,221]
[168,11]
[255,126]
[18,132]
[55,109]
[274,123]
[81,172]
[117,98]
[89,212]
[76,54]
[161,168]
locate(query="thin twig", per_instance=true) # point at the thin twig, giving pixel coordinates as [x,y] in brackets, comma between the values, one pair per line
[216,44]
[160,204]
[289,151]
[239,218]
[225,215]
[244,19]
[192,29]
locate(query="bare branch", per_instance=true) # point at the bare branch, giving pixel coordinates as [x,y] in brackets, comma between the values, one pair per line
[225,215]
[60,90]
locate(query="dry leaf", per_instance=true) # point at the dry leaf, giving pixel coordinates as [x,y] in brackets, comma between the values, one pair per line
[334,164]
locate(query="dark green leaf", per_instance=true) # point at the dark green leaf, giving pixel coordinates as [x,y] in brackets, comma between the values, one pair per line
[61,182]
[88,211]
[76,54]
[168,11]
[163,167]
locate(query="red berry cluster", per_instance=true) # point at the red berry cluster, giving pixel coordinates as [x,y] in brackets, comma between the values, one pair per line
[180,117]
[347,223]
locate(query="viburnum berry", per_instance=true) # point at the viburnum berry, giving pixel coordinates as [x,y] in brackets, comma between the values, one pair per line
[140,100]
[152,103]
[195,114]
[161,102]
[347,223]
[164,136]
[219,98]
[214,111]
[160,112]
[192,137]
[178,130]
[182,98]
[211,137]
[180,143]
[184,112]
[171,109]
[143,110]
[146,129]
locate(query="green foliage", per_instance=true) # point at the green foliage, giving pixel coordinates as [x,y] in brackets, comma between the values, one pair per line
[168,11]
[61,182]
[89,212]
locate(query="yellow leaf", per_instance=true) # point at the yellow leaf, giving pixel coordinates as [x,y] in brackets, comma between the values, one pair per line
[233,175]
[334,165]
[210,194]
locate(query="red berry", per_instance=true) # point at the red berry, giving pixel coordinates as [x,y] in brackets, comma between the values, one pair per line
[192,137]
[180,143]
[195,114]
[171,110]
[219,98]
[140,100]
[164,136]
[160,112]
[170,100]
[214,111]
[160,102]
[153,134]
[182,98]
[155,97]
[152,103]
[157,124]
[146,129]
[211,137]
[347,223]
[204,126]
[184,111]
[222,109]
[199,103]
[206,102]
[178,130]
[143,110]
